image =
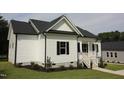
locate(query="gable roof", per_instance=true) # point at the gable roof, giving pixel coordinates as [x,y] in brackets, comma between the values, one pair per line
[20,27]
[43,26]
[46,25]
[40,25]
[113,46]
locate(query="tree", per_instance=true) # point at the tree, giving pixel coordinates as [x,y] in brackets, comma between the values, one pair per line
[122,36]
[111,36]
[3,36]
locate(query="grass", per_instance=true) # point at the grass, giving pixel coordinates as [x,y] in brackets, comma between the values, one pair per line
[115,67]
[23,73]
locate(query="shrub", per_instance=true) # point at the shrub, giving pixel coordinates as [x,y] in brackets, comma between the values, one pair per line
[49,63]
[35,66]
[71,67]
[105,64]
[62,67]
[118,62]
[102,64]
[80,66]
[113,61]
[19,65]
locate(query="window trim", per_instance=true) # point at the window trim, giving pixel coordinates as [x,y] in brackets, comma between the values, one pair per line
[59,47]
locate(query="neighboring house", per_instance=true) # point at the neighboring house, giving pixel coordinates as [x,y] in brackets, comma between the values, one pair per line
[58,41]
[113,51]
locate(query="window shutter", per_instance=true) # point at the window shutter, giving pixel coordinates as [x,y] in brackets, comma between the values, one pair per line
[67,47]
[87,48]
[93,47]
[58,50]
[78,47]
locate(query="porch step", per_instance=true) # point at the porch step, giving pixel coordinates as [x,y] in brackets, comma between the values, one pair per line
[88,63]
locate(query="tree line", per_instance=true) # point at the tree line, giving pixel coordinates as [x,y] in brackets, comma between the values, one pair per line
[111,36]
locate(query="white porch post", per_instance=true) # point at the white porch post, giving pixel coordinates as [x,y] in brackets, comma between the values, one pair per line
[80,47]
[89,48]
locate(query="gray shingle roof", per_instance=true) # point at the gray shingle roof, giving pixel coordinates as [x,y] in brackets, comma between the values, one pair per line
[20,27]
[42,26]
[113,46]
[86,33]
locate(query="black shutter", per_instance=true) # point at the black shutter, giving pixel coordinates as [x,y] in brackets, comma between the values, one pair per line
[87,48]
[58,52]
[67,47]
[97,49]
[93,47]
[78,47]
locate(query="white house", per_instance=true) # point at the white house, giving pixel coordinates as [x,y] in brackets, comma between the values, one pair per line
[113,52]
[60,41]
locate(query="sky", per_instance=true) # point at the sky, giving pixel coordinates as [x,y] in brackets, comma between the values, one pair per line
[93,22]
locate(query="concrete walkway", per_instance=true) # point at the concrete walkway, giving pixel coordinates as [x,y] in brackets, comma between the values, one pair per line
[119,72]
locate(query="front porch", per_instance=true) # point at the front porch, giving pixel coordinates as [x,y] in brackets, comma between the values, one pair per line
[89,52]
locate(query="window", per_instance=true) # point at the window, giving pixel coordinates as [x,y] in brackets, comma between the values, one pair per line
[62,48]
[107,54]
[111,54]
[93,47]
[84,47]
[115,54]
[78,47]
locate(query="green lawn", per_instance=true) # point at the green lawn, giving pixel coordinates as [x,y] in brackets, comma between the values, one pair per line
[115,67]
[23,73]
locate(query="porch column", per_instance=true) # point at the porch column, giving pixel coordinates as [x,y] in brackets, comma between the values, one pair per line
[89,48]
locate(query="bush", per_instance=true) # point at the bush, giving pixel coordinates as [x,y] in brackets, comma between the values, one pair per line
[49,62]
[19,65]
[80,66]
[102,64]
[105,64]
[62,67]
[71,67]
[113,61]
[118,62]
[35,66]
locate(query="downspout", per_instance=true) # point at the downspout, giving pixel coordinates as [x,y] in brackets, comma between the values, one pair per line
[77,53]
[45,51]
[15,50]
